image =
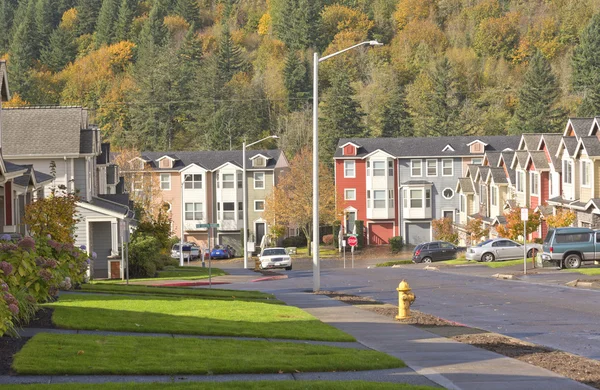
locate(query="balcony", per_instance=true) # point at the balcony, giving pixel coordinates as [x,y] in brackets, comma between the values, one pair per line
[416,203]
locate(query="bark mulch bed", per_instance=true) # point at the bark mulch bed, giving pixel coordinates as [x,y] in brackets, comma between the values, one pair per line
[575,367]
[11,345]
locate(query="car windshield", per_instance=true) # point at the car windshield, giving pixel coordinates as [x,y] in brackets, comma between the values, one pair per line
[484,243]
[274,251]
[175,247]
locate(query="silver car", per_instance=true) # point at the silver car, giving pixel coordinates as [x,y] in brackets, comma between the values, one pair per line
[500,249]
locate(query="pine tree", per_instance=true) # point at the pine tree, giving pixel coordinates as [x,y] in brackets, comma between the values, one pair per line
[154,32]
[296,22]
[60,51]
[189,10]
[341,116]
[396,118]
[87,15]
[24,49]
[44,20]
[105,31]
[228,58]
[124,20]
[536,111]
[586,68]
[296,81]
[5,24]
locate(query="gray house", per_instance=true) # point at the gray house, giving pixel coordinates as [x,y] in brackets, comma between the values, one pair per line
[62,137]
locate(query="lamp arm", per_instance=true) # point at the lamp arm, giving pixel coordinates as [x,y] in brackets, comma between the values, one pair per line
[345,50]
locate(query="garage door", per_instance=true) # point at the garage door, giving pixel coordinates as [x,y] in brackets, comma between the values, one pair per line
[234,240]
[417,233]
[380,233]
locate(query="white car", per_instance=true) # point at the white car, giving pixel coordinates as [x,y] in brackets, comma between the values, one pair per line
[275,258]
[194,250]
[500,249]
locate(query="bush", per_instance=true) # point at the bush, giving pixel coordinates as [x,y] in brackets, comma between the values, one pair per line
[328,239]
[396,244]
[297,241]
[144,255]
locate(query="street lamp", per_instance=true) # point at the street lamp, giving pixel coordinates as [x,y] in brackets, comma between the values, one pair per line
[315,241]
[245,195]
[182,221]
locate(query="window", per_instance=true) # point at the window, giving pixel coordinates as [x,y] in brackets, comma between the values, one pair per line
[476,161]
[534,177]
[349,194]
[259,205]
[193,211]
[448,193]
[416,167]
[448,214]
[240,181]
[378,168]
[241,210]
[416,199]
[165,181]
[349,168]
[228,180]
[379,199]
[520,181]
[405,198]
[368,198]
[463,203]
[447,168]
[259,180]
[391,199]
[259,162]
[193,181]
[390,168]
[494,196]
[368,168]
[350,219]
[228,211]
[138,182]
[427,198]
[431,167]
[567,172]
[585,173]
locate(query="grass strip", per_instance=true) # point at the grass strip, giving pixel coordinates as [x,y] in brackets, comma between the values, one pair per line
[178,273]
[56,354]
[189,292]
[585,271]
[261,385]
[391,263]
[181,315]
[459,261]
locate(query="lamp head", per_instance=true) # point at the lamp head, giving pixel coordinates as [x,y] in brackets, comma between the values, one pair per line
[375,43]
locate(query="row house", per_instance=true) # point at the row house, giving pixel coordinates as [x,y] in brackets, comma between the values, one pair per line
[61,143]
[398,186]
[205,187]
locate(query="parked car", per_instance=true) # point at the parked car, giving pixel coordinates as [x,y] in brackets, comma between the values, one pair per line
[570,247]
[500,249]
[434,251]
[230,249]
[220,252]
[194,250]
[275,258]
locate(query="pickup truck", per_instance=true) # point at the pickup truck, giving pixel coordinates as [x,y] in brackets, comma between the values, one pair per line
[570,247]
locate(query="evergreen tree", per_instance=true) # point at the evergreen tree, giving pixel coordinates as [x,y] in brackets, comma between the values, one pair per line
[44,19]
[586,68]
[87,15]
[124,20]
[24,50]
[341,116]
[396,118]
[154,32]
[296,81]
[105,31]
[536,111]
[296,22]
[60,51]
[189,10]
[228,58]
[5,24]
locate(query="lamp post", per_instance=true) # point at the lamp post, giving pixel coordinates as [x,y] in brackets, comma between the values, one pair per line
[315,241]
[182,221]
[245,195]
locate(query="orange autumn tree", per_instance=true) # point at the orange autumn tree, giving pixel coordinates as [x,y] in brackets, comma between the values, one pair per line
[562,218]
[443,229]
[290,202]
[514,226]
[476,229]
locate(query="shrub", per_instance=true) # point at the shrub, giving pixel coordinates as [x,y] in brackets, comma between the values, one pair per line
[396,244]
[144,255]
[297,241]
[328,239]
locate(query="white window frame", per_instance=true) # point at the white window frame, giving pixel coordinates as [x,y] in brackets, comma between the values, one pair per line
[476,161]
[259,201]
[223,211]
[413,167]
[451,167]
[390,199]
[416,199]
[586,173]
[379,202]
[349,168]
[138,182]
[427,167]
[348,191]
[165,184]
[534,183]
[494,195]
[567,176]
[520,181]
[259,180]
[381,169]
[390,168]
[192,181]
[230,183]
[194,212]
[444,193]
[462,204]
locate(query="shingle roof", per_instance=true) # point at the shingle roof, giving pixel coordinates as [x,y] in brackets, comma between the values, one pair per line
[552,142]
[498,175]
[40,177]
[521,156]
[591,145]
[483,171]
[570,144]
[109,205]
[493,158]
[473,170]
[581,126]
[211,160]
[42,130]
[507,157]
[539,160]
[10,167]
[416,182]
[428,146]
[466,185]
[531,140]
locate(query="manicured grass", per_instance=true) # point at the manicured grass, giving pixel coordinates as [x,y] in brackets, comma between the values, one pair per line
[152,314]
[505,263]
[459,261]
[585,271]
[56,354]
[262,385]
[177,273]
[324,252]
[391,263]
[189,292]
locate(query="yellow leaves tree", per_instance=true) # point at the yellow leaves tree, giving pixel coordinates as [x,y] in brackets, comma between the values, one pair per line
[497,37]
[290,203]
[408,10]
[337,18]
[562,218]
[15,101]
[514,226]
[476,229]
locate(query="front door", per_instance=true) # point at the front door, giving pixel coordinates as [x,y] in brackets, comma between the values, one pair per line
[115,270]
[260,232]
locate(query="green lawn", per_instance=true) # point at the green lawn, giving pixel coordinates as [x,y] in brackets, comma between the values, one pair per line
[324,252]
[56,354]
[459,261]
[586,271]
[177,273]
[493,264]
[190,316]
[263,385]
[189,292]
[391,263]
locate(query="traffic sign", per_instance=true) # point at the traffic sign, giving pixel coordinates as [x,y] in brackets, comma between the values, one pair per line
[524,214]
[352,241]
[207,225]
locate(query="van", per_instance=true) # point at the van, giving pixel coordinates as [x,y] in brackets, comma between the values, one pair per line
[570,247]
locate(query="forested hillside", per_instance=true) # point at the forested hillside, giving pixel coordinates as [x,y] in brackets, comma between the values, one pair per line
[204,74]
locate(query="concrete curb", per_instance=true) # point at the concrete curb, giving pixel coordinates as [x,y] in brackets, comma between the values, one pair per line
[583,283]
[276,277]
[505,276]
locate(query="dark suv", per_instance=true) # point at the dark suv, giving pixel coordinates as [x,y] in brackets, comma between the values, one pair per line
[434,251]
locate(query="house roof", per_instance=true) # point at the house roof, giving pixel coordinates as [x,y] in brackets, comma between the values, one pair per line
[498,175]
[32,176]
[466,185]
[552,141]
[507,157]
[409,147]
[530,141]
[473,168]
[493,158]
[30,131]
[416,183]
[539,160]
[520,157]
[4,92]
[211,160]
[581,126]
[104,157]
[570,144]
[112,206]
[545,210]
[591,145]
[10,167]
[483,171]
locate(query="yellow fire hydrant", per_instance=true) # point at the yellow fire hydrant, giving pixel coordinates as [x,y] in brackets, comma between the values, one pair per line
[405,299]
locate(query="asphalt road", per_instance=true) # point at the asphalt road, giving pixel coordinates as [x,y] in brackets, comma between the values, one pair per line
[539,309]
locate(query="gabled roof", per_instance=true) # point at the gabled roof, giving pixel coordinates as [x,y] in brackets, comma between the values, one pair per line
[538,157]
[591,146]
[552,141]
[519,158]
[378,151]
[530,141]
[109,206]
[580,126]
[545,210]
[472,170]
[350,143]
[43,131]
[412,147]
[482,173]
[477,140]
[492,158]
[33,177]
[260,155]
[4,92]
[465,184]
[498,175]
[169,156]
[569,144]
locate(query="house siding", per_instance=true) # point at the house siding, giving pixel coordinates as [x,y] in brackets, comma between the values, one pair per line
[80,176]
[358,182]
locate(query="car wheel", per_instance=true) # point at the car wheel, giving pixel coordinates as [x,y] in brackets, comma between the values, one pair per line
[572,261]
[288,268]
[426,260]
[488,257]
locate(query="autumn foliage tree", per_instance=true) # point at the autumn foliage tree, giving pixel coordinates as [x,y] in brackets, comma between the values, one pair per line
[476,229]
[562,218]
[290,203]
[443,229]
[514,226]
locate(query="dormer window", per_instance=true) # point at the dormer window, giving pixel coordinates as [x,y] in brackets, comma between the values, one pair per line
[259,162]
[349,149]
[166,163]
[477,146]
